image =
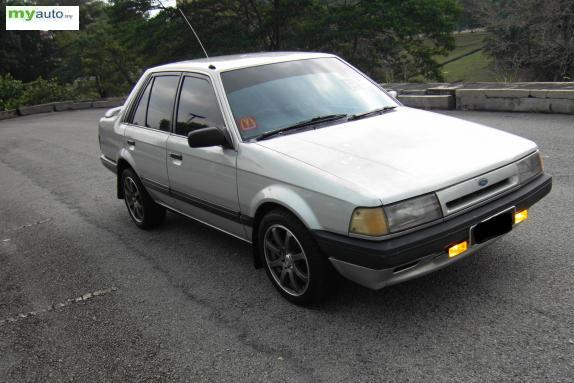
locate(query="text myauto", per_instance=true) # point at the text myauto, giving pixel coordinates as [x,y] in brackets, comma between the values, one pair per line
[42,18]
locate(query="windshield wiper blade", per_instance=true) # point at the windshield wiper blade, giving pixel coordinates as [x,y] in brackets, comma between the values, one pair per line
[371,113]
[302,124]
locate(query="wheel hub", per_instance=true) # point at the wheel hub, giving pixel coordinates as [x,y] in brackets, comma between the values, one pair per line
[288,261]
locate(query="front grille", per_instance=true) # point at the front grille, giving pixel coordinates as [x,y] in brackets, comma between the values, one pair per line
[478,195]
[467,193]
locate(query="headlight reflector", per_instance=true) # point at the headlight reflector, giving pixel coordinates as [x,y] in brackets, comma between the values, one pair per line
[413,212]
[369,221]
[529,167]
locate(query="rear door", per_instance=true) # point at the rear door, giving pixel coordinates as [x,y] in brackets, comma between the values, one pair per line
[148,129]
[203,180]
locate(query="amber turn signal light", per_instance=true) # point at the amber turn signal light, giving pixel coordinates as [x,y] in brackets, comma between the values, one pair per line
[457,249]
[520,216]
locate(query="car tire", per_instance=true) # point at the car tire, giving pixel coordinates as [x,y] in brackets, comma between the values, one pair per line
[292,260]
[143,211]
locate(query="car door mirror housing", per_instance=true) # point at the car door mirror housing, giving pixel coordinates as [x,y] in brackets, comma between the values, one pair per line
[207,137]
[113,112]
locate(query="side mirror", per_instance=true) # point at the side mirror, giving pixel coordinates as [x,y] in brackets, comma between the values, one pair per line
[393,93]
[113,112]
[207,137]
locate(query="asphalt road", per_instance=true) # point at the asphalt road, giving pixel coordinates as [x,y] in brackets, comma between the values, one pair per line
[183,303]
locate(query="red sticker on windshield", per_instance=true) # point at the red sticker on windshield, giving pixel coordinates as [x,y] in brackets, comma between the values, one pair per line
[247,123]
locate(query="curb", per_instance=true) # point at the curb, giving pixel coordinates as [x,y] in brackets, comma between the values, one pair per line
[517,97]
[443,102]
[35,109]
[516,100]
[4,115]
[62,106]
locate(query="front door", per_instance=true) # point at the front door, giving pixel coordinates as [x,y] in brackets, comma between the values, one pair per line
[203,180]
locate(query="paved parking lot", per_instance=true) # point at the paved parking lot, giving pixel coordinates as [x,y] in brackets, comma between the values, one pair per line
[86,296]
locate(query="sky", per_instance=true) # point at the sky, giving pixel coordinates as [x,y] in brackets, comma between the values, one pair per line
[166,4]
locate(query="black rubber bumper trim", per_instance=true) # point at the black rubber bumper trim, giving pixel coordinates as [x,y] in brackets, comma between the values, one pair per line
[434,239]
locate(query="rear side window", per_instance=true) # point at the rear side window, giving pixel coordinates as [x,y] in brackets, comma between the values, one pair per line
[161,100]
[140,113]
[197,107]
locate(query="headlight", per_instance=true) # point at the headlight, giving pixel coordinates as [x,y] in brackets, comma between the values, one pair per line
[369,221]
[413,212]
[399,216]
[529,167]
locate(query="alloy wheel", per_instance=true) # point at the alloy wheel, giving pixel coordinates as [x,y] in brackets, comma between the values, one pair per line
[286,260]
[133,198]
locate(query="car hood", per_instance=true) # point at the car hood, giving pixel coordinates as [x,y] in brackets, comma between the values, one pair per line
[403,153]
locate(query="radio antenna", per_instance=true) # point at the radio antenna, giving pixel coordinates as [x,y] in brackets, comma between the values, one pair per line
[188,23]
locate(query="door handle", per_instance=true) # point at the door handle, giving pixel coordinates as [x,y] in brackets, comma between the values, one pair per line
[131,142]
[176,156]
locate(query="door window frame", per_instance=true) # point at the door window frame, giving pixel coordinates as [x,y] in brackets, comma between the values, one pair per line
[200,76]
[128,119]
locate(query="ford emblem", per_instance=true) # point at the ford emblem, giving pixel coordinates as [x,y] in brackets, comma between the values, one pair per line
[482,182]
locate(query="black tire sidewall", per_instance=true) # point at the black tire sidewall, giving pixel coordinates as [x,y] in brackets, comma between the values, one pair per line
[153,213]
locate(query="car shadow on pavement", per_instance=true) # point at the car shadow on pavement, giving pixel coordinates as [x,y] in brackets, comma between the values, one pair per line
[228,263]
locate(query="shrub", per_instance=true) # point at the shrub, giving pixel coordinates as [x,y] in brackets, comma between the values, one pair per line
[42,91]
[84,89]
[15,93]
[10,92]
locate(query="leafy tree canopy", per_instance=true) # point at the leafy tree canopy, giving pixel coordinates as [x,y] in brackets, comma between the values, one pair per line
[118,39]
[529,39]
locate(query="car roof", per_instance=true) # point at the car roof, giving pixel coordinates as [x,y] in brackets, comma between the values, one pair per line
[225,63]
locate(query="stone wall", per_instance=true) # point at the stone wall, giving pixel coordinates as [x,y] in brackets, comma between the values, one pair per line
[515,97]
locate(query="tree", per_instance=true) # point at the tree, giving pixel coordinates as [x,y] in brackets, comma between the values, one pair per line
[118,39]
[393,40]
[102,50]
[26,54]
[468,18]
[530,40]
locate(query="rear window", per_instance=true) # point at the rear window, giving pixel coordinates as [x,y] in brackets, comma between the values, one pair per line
[140,113]
[161,100]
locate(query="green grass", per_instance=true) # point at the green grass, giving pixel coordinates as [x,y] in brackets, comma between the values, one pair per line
[473,68]
[464,42]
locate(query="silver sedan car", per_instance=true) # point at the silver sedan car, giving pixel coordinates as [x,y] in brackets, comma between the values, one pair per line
[324,172]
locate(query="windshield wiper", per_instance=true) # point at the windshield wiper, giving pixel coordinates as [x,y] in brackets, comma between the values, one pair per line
[371,113]
[302,124]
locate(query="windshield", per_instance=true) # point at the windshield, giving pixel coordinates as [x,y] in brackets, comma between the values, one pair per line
[270,97]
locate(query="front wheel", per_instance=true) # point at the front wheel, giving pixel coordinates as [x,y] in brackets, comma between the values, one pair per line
[144,212]
[292,259]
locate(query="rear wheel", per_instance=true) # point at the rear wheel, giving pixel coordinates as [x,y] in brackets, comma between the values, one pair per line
[144,212]
[292,259]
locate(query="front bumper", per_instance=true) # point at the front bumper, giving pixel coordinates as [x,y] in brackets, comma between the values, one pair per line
[376,264]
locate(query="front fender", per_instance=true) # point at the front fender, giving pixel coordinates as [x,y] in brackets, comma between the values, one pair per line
[284,196]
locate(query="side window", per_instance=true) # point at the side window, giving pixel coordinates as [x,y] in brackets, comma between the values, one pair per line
[139,115]
[161,102]
[197,107]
